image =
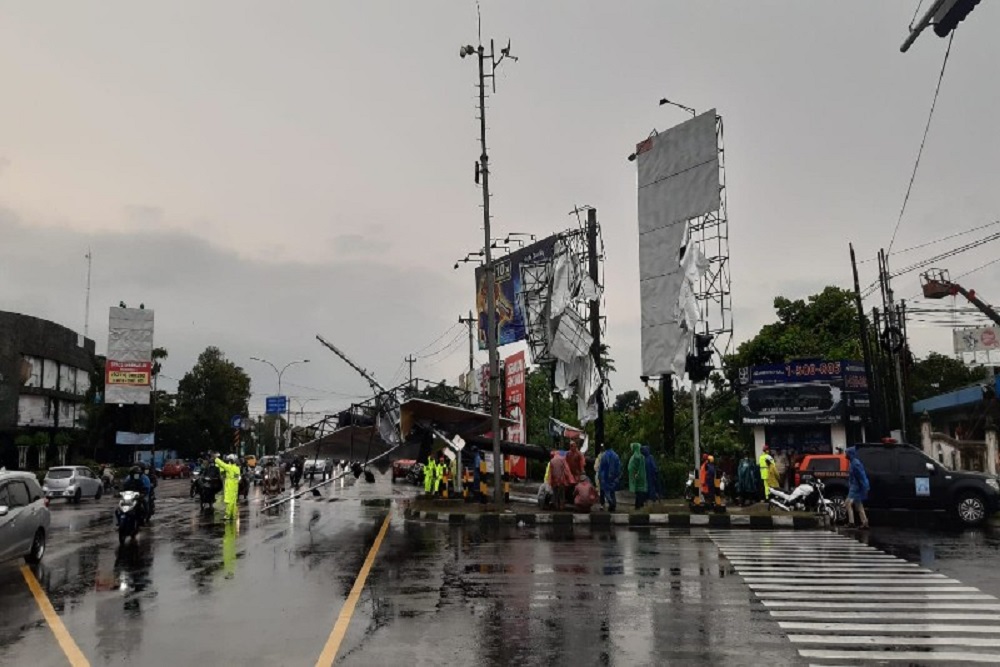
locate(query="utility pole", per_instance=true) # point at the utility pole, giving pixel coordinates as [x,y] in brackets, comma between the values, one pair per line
[595,323]
[86,314]
[873,402]
[483,171]
[411,360]
[892,325]
[470,322]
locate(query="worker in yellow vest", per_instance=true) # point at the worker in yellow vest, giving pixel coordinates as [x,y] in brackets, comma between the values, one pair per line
[768,472]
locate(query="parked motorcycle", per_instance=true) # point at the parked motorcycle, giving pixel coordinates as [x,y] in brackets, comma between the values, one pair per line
[129,516]
[807,496]
[415,475]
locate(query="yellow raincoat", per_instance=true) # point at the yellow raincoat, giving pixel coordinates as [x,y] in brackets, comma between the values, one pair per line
[230,485]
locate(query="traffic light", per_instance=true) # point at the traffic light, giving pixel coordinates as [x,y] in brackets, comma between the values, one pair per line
[699,365]
[950,14]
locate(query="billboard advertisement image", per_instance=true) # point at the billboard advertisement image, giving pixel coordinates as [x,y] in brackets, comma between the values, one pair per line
[511,320]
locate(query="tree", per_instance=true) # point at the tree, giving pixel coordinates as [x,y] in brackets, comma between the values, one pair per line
[939,374]
[825,325]
[208,396]
[628,402]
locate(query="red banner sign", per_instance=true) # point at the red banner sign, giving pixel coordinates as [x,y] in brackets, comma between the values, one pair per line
[515,401]
[129,373]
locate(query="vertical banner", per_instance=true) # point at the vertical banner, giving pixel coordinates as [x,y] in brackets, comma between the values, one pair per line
[128,370]
[515,400]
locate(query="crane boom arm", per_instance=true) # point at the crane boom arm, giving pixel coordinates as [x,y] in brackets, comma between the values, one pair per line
[978,303]
[371,380]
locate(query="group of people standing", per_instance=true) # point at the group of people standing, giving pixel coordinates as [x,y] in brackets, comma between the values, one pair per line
[434,473]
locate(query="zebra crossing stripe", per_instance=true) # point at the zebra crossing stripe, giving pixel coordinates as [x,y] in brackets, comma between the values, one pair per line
[876,615]
[888,627]
[882,605]
[837,588]
[885,640]
[792,582]
[915,657]
[897,597]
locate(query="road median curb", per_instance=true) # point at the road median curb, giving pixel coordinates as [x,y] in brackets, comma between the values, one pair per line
[606,520]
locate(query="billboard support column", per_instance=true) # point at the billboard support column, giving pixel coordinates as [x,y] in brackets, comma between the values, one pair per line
[595,324]
[667,405]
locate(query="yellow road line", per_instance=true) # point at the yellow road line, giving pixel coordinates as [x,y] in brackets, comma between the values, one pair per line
[329,654]
[69,647]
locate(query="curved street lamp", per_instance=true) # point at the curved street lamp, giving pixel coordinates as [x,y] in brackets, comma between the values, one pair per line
[277,424]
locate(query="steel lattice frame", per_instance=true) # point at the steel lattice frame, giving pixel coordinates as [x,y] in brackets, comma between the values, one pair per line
[711,233]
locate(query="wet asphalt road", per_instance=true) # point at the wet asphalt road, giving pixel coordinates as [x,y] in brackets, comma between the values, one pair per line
[268,591]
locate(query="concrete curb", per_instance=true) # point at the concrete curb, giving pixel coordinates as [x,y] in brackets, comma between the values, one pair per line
[605,520]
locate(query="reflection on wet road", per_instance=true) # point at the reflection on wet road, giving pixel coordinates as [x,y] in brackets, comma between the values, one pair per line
[268,589]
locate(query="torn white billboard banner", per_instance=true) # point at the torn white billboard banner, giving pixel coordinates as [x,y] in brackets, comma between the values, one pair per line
[128,369]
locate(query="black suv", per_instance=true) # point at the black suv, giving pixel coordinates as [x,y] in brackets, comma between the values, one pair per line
[903,477]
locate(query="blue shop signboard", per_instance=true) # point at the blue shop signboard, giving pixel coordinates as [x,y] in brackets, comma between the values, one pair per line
[845,373]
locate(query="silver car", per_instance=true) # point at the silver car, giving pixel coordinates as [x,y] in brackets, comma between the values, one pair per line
[24,517]
[72,483]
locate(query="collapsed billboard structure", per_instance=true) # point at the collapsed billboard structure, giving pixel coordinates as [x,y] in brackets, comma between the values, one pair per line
[548,290]
[683,241]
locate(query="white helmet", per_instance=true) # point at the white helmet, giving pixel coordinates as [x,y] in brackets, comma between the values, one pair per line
[231,458]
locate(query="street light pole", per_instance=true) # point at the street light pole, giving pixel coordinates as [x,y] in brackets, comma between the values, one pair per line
[483,171]
[277,423]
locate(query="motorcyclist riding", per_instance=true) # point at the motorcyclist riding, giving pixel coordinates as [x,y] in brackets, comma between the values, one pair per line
[137,481]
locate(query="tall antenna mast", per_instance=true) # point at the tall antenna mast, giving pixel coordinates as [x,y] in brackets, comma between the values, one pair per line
[86,316]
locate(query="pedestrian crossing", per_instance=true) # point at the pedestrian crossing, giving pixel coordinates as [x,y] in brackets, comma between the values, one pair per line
[842,602]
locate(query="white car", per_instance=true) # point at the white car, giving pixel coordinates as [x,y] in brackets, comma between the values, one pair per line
[24,517]
[72,483]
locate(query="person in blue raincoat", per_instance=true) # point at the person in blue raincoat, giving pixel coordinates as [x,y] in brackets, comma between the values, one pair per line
[610,476]
[857,488]
[652,475]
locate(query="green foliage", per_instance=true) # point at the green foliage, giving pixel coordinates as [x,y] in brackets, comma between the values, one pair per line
[825,325]
[40,439]
[63,439]
[939,374]
[24,440]
[208,395]
[673,475]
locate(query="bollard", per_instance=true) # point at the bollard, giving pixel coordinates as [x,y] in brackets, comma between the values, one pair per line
[720,503]
[483,489]
[506,479]
[466,483]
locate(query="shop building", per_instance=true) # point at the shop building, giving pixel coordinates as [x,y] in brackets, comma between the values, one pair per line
[809,406]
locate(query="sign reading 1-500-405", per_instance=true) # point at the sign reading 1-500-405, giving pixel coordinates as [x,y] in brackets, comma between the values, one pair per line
[813,369]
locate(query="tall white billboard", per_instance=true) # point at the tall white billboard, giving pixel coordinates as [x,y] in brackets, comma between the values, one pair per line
[678,181]
[128,370]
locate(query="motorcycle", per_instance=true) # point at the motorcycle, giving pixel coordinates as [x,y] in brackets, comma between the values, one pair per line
[806,496]
[244,487]
[296,476]
[129,516]
[690,488]
[195,482]
[415,475]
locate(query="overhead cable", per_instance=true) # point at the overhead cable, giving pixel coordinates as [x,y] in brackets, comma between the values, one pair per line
[920,152]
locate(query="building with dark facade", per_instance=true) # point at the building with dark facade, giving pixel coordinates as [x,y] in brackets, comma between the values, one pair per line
[44,376]
[810,406]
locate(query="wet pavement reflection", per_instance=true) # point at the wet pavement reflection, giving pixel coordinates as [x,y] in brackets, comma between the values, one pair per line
[267,589]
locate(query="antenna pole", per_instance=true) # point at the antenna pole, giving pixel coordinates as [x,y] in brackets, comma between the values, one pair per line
[86,316]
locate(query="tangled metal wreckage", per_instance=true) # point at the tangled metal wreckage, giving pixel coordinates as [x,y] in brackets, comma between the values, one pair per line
[403,423]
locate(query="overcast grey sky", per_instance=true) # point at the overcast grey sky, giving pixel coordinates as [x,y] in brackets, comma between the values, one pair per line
[260,172]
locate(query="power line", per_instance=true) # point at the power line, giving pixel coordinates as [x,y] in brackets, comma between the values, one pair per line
[948,253]
[978,268]
[460,336]
[447,331]
[935,241]
[923,141]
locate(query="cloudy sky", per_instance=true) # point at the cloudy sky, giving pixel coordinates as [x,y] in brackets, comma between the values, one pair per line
[261,172]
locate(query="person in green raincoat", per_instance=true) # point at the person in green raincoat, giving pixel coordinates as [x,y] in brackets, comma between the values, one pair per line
[637,475]
[229,548]
[230,483]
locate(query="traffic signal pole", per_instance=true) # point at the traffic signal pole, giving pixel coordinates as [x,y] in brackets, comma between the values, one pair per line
[697,424]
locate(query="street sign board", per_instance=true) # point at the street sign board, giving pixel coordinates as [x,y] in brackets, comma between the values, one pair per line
[275,405]
[236,421]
